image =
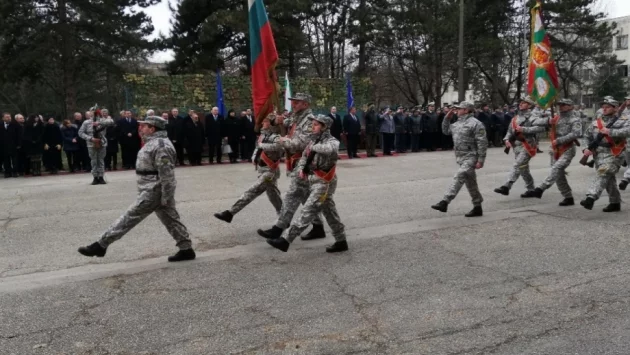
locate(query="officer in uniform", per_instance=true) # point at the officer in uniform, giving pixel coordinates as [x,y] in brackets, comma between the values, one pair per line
[155,168]
[608,155]
[522,137]
[267,160]
[471,145]
[96,144]
[317,169]
[299,130]
[371,131]
[565,129]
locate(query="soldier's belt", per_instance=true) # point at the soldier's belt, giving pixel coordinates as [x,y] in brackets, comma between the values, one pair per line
[146,173]
[292,161]
[268,162]
[327,176]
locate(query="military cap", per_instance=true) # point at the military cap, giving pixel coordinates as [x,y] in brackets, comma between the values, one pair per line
[608,98]
[528,99]
[568,102]
[301,97]
[611,102]
[627,97]
[432,103]
[324,119]
[155,121]
[465,104]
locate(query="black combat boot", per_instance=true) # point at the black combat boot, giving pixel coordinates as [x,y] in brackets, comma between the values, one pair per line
[623,184]
[279,243]
[528,194]
[96,181]
[183,255]
[94,249]
[567,202]
[101,181]
[538,192]
[338,247]
[225,216]
[503,190]
[316,233]
[441,206]
[588,203]
[477,211]
[273,233]
[612,207]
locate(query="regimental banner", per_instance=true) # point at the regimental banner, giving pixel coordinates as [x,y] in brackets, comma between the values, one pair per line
[542,83]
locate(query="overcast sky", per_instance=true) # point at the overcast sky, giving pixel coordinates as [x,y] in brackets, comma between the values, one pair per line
[160,14]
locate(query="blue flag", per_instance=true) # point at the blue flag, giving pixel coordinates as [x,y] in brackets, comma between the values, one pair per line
[220,102]
[349,88]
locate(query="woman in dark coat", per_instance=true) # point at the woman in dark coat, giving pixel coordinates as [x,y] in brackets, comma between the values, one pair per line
[32,145]
[70,135]
[111,154]
[233,132]
[194,137]
[52,146]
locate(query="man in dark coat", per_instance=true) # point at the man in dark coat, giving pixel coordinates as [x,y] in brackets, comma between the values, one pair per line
[248,140]
[174,132]
[496,121]
[352,130]
[484,117]
[10,139]
[337,126]
[430,128]
[129,140]
[371,131]
[83,157]
[194,137]
[214,134]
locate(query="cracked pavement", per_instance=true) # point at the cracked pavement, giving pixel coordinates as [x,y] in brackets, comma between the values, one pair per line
[527,278]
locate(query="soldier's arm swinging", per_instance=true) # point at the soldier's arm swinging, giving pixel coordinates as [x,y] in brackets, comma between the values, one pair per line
[326,148]
[166,171]
[82,132]
[481,138]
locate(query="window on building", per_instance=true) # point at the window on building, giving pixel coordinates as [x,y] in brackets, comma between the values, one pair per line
[622,70]
[622,42]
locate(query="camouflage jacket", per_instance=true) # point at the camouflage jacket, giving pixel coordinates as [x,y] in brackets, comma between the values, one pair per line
[568,127]
[269,142]
[619,132]
[157,155]
[301,134]
[326,148]
[469,137]
[529,121]
[86,132]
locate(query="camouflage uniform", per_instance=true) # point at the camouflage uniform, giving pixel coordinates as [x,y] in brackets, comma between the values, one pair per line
[86,132]
[527,120]
[626,174]
[319,192]
[267,181]
[155,168]
[298,189]
[606,164]
[568,130]
[471,145]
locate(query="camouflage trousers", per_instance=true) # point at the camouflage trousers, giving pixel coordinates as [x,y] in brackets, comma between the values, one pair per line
[626,175]
[147,203]
[607,166]
[297,193]
[320,199]
[466,175]
[520,168]
[267,182]
[558,174]
[97,156]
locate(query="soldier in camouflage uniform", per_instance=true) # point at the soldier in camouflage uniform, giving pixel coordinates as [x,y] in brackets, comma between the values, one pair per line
[626,176]
[299,130]
[471,145]
[317,168]
[155,169]
[522,137]
[565,129]
[97,155]
[267,160]
[608,155]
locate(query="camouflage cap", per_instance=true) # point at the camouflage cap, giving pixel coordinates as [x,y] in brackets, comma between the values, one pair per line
[323,119]
[567,102]
[155,121]
[301,97]
[608,98]
[465,104]
[528,99]
[611,102]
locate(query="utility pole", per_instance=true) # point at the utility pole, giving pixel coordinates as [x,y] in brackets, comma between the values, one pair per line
[462,88]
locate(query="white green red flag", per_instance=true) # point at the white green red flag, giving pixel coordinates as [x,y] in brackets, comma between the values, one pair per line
[542,83]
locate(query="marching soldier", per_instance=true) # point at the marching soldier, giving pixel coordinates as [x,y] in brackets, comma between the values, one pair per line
[522,137]
[93,131]
[299,130]
[267,159]
[608,155]
[155,168]
[317,169]
[565,129]
[626,176]
[471,145]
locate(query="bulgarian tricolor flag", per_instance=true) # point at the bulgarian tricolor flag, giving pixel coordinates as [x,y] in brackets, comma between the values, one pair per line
[264,57]
[542,84]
